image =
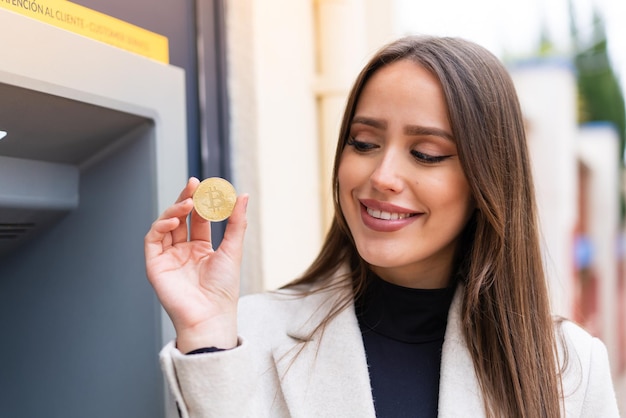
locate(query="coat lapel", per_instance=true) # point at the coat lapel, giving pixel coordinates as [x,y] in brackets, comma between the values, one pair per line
[327,376]
[459,390]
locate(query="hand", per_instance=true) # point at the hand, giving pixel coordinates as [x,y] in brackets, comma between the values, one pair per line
[197,285]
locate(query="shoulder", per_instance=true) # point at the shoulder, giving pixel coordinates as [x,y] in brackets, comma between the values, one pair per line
[585,371]
[578,345]
[572,338]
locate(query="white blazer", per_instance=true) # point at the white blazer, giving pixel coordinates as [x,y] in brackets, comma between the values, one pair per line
[273,373]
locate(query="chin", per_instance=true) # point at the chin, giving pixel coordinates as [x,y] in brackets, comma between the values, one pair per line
[377,258]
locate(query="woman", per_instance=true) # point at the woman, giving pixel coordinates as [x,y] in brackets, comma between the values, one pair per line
[428,297]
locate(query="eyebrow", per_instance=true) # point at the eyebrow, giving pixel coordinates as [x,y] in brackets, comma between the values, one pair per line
[424,130]
[414,130]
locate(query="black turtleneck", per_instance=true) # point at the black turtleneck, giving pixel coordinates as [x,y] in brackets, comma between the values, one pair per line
[403,330]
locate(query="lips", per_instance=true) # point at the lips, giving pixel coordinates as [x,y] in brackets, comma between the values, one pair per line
[384,216]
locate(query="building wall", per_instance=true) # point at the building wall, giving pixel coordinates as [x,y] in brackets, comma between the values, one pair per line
[598,149]
[576,173]
[547,92]
[273,132]
[291,64]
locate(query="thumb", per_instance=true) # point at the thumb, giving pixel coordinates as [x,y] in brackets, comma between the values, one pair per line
[232,243]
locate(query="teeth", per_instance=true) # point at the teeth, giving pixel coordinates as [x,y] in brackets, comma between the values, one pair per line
[379,214]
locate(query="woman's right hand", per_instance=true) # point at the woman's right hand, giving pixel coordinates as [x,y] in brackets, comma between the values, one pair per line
[197,285]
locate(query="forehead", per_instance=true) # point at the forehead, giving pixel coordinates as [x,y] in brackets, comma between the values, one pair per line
[404,92]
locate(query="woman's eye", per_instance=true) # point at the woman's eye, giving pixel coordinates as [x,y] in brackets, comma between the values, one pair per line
[360,146]
[428,159]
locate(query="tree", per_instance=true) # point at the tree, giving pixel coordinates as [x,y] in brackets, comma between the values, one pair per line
[600,94]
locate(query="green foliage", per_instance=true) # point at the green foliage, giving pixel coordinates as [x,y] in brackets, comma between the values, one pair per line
[601,98]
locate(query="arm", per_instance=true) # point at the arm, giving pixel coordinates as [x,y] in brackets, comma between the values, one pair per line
[198,287]
[212,384]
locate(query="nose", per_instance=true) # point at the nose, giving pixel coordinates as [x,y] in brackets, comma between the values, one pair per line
[386,176]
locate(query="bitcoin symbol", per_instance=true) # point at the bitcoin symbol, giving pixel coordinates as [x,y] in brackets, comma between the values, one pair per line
[214,199]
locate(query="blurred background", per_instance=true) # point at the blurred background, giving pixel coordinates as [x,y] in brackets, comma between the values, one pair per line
[264,89]
[568,61]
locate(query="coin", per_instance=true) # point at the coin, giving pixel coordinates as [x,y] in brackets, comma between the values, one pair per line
[214,199]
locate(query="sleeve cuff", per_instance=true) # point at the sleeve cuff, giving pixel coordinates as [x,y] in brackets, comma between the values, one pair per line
[215,383]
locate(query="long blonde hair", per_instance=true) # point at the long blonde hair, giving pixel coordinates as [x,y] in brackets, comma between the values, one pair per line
[505,311]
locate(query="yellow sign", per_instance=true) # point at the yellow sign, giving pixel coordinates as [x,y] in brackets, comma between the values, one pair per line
[95,25]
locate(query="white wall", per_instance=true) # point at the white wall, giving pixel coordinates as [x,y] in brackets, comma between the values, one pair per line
[274,136]
[291,64]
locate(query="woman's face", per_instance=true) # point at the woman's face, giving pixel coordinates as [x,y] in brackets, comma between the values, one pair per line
[402,190]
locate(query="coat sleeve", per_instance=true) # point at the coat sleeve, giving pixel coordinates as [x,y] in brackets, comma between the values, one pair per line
[218,384]
[599,400]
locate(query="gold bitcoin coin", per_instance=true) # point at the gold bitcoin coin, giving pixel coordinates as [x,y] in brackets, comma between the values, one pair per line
[214,199]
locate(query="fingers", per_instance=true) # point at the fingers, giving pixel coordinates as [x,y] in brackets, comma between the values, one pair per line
[164,229]
[171,226]
[232,244]
[200,228]
[190,187]
[180,233]
[180,211]
[158,237]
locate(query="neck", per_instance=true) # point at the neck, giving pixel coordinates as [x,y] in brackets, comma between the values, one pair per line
[434,278]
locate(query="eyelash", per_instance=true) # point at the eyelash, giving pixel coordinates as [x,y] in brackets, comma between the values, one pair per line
[428,159]
[363,147]
[360,146]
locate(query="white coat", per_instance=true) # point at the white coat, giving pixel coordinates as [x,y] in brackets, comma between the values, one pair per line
[273,373]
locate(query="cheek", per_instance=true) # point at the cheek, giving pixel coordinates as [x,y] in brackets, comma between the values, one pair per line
[345,174]
[455,191]
[349,178]
[466,200]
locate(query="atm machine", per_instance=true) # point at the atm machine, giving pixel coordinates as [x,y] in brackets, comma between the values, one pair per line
[94,148]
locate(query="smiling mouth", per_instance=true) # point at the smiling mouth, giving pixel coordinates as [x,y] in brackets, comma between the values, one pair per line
[388,216]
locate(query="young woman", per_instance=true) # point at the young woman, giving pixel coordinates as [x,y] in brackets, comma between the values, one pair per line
[428,297]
